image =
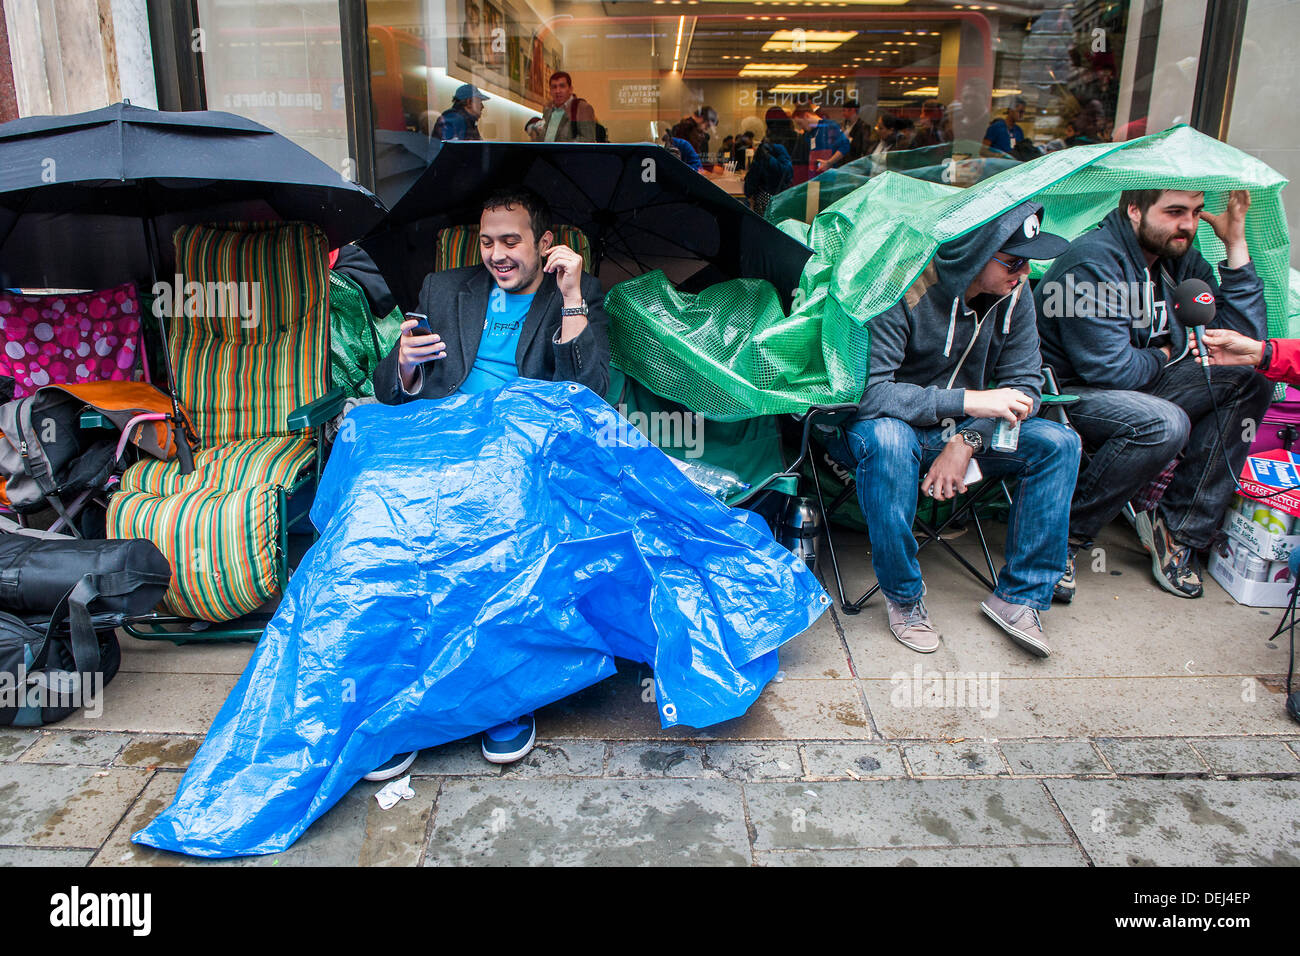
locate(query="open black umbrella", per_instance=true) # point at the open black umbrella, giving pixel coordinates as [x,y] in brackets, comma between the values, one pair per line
[641,207]
[92,199]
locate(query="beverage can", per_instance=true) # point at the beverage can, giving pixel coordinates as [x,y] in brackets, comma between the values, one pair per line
[1255,568]
[1006,436]
[1272,520]
[1279,572]
[1244,506]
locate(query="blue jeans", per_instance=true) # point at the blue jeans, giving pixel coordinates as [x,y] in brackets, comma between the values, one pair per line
[892,457]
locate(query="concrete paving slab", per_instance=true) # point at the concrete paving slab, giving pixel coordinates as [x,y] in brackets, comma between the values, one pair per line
[817,652]
[1247,755]
[897,813]
[34,856]
[14,742]
[1046,757]
[1048,855]
[1151,756]
[960,759]
[795,709]
[61,805]
[656,760]
[454,759]
[620,707]
[1137,822]
[158,703]
[154,751]
[355,832]
[164,657]
[1119,625]
[853,761]
[559,758]
[1111,707]
[97,750]
[589,823]
[753,761]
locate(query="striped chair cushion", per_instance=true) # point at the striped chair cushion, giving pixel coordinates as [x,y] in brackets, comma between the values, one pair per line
[221,546]
[458,246]
[238,464]
[254,345]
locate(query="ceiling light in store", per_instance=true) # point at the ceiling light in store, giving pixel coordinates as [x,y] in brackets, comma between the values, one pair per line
[1006,91]
[807,41]
[797,88]
[772,69]
[922,91]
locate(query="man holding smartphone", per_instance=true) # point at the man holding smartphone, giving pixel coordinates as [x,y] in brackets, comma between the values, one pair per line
[529,311]
[927,410]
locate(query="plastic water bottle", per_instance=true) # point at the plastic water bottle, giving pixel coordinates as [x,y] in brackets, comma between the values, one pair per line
[1006,437]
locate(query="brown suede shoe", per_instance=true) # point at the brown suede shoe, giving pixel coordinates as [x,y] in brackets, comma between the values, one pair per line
[911,626]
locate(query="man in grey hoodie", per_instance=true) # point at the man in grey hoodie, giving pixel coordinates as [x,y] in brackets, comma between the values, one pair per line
[1110,333]
[928,408]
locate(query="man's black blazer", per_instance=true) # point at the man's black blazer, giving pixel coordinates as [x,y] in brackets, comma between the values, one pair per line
[456,303]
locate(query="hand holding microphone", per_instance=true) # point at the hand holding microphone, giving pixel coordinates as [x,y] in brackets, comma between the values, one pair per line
[1194,307]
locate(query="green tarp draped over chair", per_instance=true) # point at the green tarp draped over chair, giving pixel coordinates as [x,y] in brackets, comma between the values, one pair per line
[731,352]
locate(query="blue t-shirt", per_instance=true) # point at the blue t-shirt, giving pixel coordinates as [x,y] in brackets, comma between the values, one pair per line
[1000,135]
[828,136]
[495,363]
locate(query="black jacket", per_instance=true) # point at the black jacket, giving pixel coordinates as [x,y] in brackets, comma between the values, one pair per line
[1097,307]
[456,303]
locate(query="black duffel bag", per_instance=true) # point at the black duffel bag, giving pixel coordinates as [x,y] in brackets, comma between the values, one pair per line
[44,677]
[36,574]
[79,591]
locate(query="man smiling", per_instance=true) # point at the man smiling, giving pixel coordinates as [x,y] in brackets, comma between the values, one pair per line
[528,311]
[1115,342]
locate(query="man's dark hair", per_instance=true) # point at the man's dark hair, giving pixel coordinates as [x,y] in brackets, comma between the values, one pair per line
[539,214]
[557,75]
[707,113]
[852,105]
[1144,199]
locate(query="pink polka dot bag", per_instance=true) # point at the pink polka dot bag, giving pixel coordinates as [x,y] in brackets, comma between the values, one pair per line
[68,338]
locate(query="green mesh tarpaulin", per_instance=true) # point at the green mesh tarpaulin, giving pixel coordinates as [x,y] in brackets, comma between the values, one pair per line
[731,352]
[358,341]
[932,163]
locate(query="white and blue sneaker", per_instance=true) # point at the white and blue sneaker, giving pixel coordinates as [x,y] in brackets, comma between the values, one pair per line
[394,767]
[510,741]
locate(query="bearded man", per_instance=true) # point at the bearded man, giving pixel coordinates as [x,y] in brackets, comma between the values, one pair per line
[1108,329]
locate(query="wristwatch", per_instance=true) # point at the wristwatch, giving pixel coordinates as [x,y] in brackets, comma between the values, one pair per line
[575,310]
[973,438]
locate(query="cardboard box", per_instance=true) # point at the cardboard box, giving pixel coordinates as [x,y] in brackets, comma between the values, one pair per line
[1265,473]
[1266,544]
[1245,591]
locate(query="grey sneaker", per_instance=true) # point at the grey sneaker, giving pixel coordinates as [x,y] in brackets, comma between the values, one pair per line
[1019,621]
[911,626]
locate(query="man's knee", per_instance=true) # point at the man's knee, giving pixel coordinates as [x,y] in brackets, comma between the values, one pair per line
[884,440]
[1051,442]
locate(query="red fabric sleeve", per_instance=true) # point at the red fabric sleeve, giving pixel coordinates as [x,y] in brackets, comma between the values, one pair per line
[1285,365]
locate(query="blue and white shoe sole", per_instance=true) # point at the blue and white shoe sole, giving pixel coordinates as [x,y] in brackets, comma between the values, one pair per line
[513,755]
[376,776]
[1035,647]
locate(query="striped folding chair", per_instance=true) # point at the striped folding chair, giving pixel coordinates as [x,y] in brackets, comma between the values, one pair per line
[256,382]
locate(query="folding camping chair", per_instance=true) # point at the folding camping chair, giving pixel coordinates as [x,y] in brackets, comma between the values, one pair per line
[964,510]
[258,393]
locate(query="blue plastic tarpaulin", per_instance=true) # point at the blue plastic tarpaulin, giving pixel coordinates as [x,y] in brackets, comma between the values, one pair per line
[480,557]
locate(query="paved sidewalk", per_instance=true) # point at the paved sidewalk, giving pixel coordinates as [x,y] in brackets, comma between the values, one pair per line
[1154,734]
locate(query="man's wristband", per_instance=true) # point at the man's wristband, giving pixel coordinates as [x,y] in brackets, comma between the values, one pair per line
[1267,360]
[574,310]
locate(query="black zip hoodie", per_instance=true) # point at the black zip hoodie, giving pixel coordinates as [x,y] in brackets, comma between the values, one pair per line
[1099,307]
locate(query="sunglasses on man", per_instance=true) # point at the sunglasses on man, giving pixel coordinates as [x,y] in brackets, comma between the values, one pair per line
[1014,264]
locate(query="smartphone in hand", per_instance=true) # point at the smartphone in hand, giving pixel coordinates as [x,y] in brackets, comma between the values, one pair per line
[422,328]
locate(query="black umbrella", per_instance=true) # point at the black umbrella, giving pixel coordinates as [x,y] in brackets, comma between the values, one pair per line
[641,207]
[84,197]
